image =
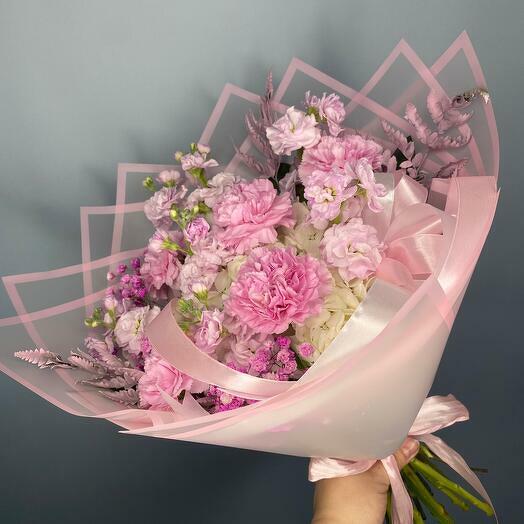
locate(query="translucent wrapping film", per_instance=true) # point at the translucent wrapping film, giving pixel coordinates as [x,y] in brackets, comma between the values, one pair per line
[361,397]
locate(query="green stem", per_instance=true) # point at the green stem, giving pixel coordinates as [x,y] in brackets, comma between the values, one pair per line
[454,498]
[417,517]
[434,507]
[439,480]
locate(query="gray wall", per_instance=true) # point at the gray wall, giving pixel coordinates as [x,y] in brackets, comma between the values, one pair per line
[85,85]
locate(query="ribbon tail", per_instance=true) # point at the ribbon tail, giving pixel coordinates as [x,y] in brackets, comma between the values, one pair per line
[402,509]
[455,461]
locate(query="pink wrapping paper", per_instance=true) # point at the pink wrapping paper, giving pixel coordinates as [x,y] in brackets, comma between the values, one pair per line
[359,401]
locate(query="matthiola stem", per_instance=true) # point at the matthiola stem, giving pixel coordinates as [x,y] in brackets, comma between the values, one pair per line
[434,507]
[455,499]
[199,174]
[440,481]
[417,517]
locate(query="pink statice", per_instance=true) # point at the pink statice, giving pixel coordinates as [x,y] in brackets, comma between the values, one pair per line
[367,184]
[295,130]
[129,328]
[325,193]
[196,230]
[157,208]
[248,214]
[169,177]
[214,190]
[276,287]
[160,375]
[209,332]
[333,153]
[330,110]
[353,248]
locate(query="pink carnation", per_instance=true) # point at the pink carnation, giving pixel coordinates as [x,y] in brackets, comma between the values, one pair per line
[160,375]
[333,153]
[275,287]
[352,248]
[325,193]
[330,110]
[157,208]
[293,131]
[249,214]
[208,334]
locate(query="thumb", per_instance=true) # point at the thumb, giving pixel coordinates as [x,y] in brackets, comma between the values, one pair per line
[406,452]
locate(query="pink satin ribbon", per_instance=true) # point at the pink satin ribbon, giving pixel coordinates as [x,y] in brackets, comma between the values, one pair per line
[436,413]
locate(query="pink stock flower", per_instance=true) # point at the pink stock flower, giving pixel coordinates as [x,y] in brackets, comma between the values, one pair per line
[157,208]
[169,177]
[208,334]
[353,248]
[160,375]
[325,193]
[160,269]
[197,160]
[214,190]
[197,272]
[330,109]
[249,214]
[129,329]
[293,131]
[333,153]
[275,287]
[163,239]
[196,230]
[363,172]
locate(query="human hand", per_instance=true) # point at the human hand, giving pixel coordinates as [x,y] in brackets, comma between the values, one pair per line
[358,499]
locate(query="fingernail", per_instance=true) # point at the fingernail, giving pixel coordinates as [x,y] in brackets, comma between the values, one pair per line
[410,448]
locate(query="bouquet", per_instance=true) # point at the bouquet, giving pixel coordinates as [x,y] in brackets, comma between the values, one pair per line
[289,284]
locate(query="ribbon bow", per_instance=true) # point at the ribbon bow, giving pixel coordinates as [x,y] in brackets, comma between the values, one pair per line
[436,413]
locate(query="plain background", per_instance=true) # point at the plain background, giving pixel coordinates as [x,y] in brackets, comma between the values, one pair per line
[85,85]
